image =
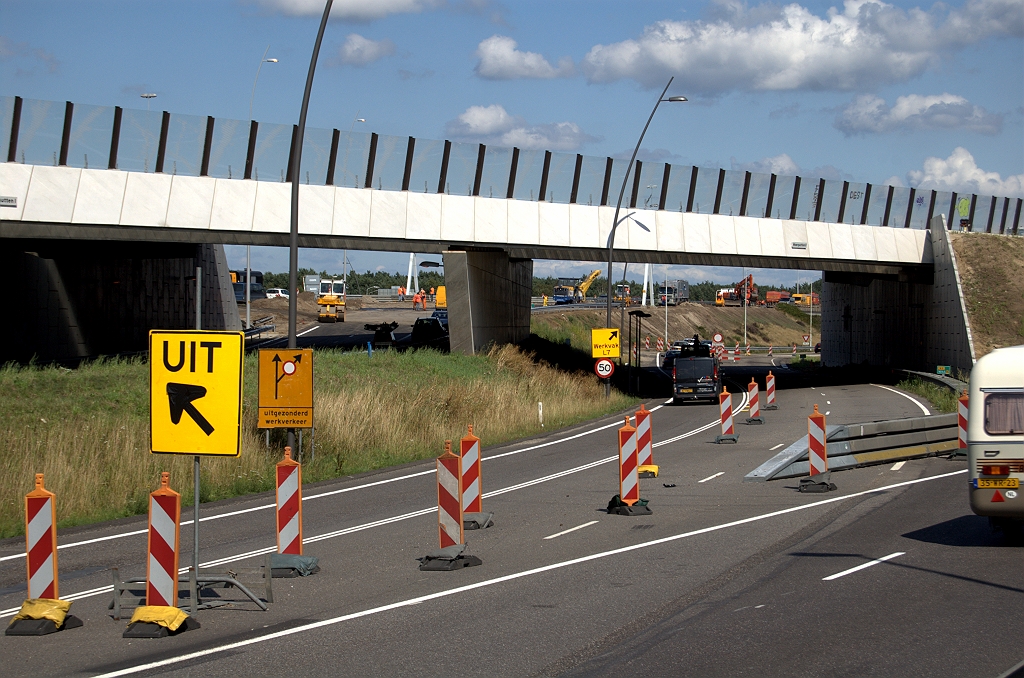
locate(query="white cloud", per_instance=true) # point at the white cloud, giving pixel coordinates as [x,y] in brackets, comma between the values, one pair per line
[360,51]
[351,10]
[780,164]
[494,125]
[24,53]
[500,60]
[959,172]
[868,113]
[768,47]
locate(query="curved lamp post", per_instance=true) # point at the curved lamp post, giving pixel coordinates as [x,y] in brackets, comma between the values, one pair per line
[248,272]
[618,206]
[264,60]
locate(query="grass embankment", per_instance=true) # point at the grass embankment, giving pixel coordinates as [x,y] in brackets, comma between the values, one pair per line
[989,267]
[87,429]
[943,399]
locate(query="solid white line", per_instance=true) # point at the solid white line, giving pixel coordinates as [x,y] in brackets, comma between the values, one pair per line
[720,473]
[509,577]
[571,529]
[837,575]
[898,465]
[772,449]
[302,334]
[916,402]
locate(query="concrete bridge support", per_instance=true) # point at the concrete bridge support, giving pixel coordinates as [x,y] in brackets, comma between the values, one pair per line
[75,299]
[488,298]
[915,320]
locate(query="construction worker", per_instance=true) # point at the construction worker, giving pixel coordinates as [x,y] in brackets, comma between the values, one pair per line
[401,293]
[431,297]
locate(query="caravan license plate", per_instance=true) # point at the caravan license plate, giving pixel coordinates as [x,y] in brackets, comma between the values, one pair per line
[686,390]
[997,483]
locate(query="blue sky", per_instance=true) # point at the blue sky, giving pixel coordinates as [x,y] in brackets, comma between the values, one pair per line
[921,94]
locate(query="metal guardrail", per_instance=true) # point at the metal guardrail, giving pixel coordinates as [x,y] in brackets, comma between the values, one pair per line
[954,385]
[856,445]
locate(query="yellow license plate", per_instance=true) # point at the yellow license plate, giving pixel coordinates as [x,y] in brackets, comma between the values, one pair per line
[686,390]
[998,483]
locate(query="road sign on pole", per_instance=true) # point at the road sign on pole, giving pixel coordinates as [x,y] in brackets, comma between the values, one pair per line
[286,388]
[604,368]
[195,392]
[604,342]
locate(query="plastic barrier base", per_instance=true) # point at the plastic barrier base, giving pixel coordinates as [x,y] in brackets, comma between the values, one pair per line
[617,508]
[818,483]
[477,521]
[648,470]
[288,566]
[731,438]
[448,559]
[151,630]
[755,420]
[40,627]
[770,407]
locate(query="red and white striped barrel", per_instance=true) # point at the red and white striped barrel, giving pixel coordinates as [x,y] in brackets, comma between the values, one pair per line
[961,420]
[769,390]
[755,407]
[816,454]
[794,349]
[647,342]
[661,344]
[469,448]
[644,454]
[164,545]
[771,350]
[629,478]
[725,407]
[449,497]
[736,351]
[748,349]
[41,541]
[289,505]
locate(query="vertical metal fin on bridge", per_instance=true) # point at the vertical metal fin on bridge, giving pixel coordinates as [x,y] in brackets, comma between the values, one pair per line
[1016,216]
[718,193]
[161,149]
[970,218]
[204,169]
[991,214]
[65,139]
[1002,221]
[931,207]
[952,208]
[115,138]
[888,207]
[636,184]
[250,152]
[771,196]
[910,208]
[372,156]
[512,173]
[12,148]
[693,189]
[821,199]
[867,201]
[333,159]
[746,192]
[576,179]
[842,202]
[796,197]
[443,177]
[481,153]
[607,180]
[544,176]
[409,150]
[663,198]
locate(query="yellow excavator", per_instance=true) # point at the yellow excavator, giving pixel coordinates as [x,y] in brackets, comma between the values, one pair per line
[331,300]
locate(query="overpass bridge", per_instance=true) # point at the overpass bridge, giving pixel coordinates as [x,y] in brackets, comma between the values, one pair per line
[106,249]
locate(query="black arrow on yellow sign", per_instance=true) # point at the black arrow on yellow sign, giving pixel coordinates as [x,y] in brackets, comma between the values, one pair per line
[180,397]
[614,334]
[277,366]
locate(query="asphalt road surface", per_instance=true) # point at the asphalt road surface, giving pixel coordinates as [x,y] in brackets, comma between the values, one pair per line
[725,578]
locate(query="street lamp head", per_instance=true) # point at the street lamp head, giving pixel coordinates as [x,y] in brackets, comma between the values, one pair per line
[676,99]
[148,95]
[270,61]
[360,119]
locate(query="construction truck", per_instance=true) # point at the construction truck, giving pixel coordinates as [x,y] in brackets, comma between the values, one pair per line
[573,290]
[673,292]
[773,297]
[622,294]
[744,293]
[331,300]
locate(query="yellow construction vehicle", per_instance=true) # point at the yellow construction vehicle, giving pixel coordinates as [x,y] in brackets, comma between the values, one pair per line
[331,300]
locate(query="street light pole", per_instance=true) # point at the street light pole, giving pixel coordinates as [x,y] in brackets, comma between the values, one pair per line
[618,206]
[293,241]
[248,285]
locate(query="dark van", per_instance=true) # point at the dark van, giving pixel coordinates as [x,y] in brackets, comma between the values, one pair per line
[695,373]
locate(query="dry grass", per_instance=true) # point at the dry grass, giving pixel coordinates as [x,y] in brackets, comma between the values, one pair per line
[87,429]
[993,287]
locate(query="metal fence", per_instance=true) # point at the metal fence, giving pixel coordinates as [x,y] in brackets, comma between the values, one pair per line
[50,133]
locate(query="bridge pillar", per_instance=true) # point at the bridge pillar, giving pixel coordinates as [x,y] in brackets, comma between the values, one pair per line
[488,299]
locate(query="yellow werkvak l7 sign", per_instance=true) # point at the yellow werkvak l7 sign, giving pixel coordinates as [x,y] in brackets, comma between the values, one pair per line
[195,392]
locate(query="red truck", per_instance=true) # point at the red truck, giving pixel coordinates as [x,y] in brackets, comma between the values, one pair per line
[775,296]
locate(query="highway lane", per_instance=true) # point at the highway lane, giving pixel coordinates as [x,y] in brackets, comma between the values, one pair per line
[368,568]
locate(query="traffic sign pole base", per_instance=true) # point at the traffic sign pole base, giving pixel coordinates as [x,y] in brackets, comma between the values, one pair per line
[648,470]
[477,521]
[755,420]
[818,483]
[731,438]
[41,627]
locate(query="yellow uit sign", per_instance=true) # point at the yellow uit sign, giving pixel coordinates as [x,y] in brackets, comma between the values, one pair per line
[604,342]
[195,392]
[286,388]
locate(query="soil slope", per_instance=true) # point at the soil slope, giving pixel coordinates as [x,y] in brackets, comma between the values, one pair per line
[990,274]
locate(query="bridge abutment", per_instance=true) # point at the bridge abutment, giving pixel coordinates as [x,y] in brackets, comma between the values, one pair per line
[488,298]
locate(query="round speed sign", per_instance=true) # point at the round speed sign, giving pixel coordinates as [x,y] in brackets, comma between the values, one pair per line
[718,338]
[604,368]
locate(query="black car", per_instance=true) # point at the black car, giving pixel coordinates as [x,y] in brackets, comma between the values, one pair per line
[696,373]
[256,291]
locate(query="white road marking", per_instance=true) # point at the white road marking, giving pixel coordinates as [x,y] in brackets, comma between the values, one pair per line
[509,577]
[837,575]
[773,363]
[720,473]
[828,402]
[913,400]
[302,334]
[772,449]
[898,465]
[758,607]
[571,529]
[828,412]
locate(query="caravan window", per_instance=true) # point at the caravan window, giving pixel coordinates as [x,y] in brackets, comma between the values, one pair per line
[1004,414]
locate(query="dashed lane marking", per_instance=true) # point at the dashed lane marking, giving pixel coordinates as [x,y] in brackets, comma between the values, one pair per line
[837,575]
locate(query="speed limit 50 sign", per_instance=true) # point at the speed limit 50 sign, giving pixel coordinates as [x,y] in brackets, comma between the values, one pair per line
[604,368]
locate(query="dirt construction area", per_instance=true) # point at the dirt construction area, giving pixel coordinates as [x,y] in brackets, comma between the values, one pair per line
[990,275]
[359,311]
